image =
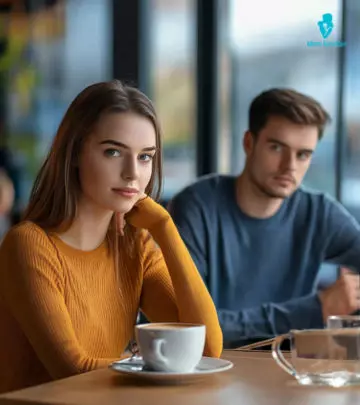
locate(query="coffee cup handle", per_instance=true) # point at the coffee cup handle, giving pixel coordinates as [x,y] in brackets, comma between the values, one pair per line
[278,356]
[157,345]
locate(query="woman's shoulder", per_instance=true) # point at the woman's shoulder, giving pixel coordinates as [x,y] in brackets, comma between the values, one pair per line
[27,252]
[25,234]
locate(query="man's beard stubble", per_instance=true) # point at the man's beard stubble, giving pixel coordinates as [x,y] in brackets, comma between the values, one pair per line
[267,191]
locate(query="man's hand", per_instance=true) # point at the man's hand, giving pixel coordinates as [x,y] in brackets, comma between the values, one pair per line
[342,297]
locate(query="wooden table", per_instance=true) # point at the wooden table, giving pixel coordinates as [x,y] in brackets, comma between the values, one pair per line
[255,379]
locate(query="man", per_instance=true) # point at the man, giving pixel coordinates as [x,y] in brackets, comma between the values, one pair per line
[259,239]
[10,179]
[6,202]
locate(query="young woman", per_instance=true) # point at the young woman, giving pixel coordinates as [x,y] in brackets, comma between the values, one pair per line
[94,247]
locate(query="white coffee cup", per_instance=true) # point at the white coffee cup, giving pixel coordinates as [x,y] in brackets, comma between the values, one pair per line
[171,347]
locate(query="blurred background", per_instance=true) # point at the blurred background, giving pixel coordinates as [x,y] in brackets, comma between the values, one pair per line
[201,61]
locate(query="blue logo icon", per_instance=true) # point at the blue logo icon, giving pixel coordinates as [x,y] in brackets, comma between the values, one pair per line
[326,25]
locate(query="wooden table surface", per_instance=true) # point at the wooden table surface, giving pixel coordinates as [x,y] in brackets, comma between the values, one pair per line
[255,379]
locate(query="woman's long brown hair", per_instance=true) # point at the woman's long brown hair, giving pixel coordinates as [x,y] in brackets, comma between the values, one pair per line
[53,200]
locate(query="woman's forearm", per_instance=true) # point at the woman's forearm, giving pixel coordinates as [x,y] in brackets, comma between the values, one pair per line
[193,299]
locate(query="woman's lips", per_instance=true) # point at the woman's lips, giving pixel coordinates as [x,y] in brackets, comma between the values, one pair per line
[126,192]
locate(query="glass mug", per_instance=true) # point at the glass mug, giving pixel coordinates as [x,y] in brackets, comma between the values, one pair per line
[343,321]
[321,356]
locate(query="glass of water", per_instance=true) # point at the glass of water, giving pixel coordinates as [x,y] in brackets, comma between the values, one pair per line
[321,356]
[343,321]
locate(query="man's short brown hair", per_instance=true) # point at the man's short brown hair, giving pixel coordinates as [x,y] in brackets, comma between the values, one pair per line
[296,107]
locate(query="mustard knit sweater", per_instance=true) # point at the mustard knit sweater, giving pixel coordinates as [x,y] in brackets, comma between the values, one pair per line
[61,310]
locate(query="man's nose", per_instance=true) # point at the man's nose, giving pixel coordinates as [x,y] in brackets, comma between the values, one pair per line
[289,161]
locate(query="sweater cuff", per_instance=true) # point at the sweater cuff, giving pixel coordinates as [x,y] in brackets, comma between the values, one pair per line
[309,314]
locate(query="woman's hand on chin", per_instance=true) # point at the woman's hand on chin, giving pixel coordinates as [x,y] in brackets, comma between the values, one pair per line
[146,213]
[120,222]
[120,216]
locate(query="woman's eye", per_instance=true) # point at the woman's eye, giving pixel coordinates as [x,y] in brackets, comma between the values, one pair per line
[112,153]
[145,157]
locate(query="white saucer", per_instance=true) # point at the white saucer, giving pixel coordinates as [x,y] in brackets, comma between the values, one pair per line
[136,367]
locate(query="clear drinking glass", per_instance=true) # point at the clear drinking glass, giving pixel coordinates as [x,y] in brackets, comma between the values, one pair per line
[322,356]
[343,321]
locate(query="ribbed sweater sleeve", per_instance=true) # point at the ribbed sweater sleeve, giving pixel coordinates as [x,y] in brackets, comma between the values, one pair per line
[173,289]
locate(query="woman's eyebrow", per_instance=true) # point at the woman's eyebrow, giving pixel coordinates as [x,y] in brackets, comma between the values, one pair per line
[122,145]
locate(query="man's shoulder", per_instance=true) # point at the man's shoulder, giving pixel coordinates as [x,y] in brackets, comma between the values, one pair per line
[203,195]
[306,195]
[320,202]
[207,187]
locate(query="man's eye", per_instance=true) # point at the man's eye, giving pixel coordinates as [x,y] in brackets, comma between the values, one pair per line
[303,155]
[275,147]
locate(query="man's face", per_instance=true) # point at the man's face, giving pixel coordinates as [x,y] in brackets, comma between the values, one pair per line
[279,157]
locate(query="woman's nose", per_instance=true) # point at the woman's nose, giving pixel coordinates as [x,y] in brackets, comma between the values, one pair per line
[129,170]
